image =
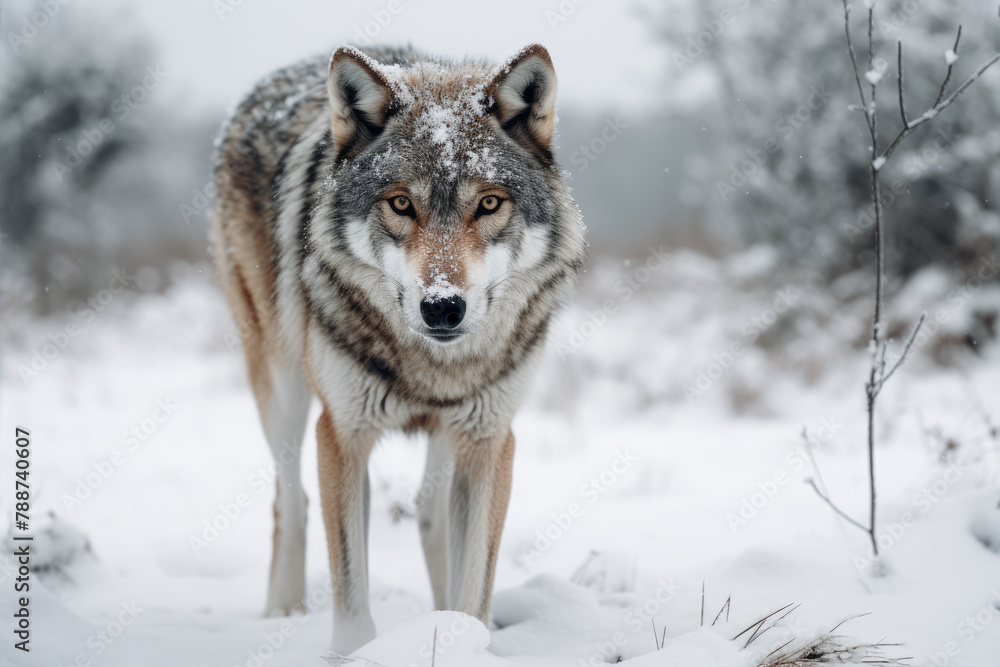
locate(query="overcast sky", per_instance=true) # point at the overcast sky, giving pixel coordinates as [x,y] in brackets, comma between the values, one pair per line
[604,55]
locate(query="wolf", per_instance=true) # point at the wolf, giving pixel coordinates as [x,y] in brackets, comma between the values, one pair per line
[394,234]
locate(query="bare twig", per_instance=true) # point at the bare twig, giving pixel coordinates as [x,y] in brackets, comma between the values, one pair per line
[899,83]
[434,648]
[906,351]
[874,83]
[878,375]
[947,77]
[854,62]
[834,507]
[812,459]
[932,113]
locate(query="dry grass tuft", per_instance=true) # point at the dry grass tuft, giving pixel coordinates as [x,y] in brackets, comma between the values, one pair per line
[831,649]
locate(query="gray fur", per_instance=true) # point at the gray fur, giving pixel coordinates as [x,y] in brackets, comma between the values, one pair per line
[305,179]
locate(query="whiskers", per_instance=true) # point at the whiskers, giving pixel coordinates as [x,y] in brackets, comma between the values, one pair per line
[397,287]
[519,287]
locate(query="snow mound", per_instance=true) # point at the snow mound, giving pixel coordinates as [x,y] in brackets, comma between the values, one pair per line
[986,527]
[446,637]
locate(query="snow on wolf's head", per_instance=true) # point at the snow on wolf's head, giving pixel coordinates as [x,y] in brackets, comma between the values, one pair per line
[445,182]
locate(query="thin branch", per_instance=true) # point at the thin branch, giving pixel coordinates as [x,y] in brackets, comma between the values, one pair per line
[872,396]
[899,83]
[834,507]
[931,113]
[812,459]
[871,67]
[854,62]
[906,351]
[947,77]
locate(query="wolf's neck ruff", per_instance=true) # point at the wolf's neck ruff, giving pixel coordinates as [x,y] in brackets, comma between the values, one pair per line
[396,232]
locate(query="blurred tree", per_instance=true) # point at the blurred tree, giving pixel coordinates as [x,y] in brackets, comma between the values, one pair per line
[94,164]
[54,142]
[784,167]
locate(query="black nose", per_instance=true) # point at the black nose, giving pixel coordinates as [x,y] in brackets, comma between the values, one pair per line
[444,313]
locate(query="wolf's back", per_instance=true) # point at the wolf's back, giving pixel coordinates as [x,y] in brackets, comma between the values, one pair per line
[266,123]
[252,148]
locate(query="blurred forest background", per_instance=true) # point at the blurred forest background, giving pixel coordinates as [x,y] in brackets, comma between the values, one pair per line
[746,139]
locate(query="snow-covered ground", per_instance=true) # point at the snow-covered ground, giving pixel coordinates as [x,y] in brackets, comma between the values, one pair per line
[660,453]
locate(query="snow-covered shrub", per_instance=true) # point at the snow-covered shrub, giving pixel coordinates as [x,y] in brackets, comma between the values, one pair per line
[786,163]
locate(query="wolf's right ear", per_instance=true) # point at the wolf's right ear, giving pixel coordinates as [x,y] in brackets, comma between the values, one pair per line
[360,98]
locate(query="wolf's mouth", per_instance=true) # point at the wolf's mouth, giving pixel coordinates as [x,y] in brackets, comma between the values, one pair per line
[444,337]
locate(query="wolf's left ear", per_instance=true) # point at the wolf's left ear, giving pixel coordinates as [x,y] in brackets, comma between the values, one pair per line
[524,95]
[360,98]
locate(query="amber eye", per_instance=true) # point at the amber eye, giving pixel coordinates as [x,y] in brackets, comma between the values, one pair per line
[402,205]
[488,204]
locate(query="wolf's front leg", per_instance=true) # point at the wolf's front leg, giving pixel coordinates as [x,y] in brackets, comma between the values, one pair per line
[344,491]
[477,508]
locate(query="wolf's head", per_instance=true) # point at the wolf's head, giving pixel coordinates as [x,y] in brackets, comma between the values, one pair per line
[445,183]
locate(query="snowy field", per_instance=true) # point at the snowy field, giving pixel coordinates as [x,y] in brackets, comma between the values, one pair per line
[660,451]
